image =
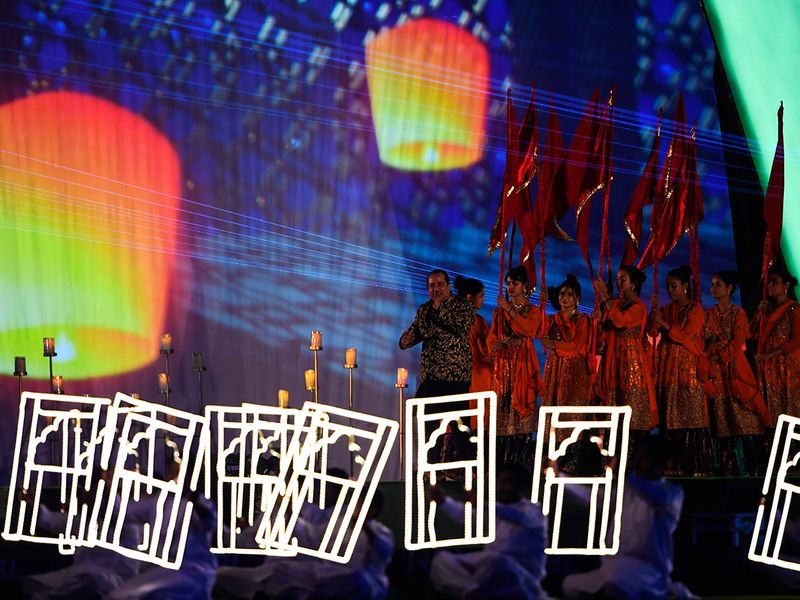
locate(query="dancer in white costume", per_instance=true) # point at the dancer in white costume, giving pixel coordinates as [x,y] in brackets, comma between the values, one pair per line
[651,510]
[94,571]
[302,577]
[513,566]
[194,579]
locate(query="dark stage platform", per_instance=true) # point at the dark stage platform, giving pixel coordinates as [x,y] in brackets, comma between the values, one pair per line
[711,547]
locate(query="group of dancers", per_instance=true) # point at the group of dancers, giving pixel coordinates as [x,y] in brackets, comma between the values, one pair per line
[682,369]
[98,572]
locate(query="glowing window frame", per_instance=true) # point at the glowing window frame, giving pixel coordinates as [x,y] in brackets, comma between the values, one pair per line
[609,519]
[419,529]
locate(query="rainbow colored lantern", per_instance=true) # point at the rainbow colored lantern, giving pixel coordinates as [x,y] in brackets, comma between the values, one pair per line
[88,200]
[428,90]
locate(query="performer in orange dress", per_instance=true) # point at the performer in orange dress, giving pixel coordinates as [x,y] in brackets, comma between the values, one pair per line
[625,376]
[679,393]
[776,326]
[472,291]
[737,412]
[567,380]
[515,378]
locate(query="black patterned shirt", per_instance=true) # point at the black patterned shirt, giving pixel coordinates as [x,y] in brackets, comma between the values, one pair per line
[444,333]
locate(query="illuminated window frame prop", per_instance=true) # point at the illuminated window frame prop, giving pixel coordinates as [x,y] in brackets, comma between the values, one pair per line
[777,495]
[604,490]
[257,428]
[317,428]
[164,539]
[72,422]
[479,520]
[131,423]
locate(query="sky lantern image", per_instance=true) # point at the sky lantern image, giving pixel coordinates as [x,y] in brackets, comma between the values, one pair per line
[88,199]
[428,92]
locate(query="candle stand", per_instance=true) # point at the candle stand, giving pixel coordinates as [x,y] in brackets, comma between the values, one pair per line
[401,385]
[350,364]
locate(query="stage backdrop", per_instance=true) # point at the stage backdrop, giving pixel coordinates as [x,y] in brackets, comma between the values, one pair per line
[239,173]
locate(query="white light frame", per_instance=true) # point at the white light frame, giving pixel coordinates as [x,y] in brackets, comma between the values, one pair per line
[257,428]
[777,495]
[164,540]
[480,472]
[605,489]
[78,447]
[317,427]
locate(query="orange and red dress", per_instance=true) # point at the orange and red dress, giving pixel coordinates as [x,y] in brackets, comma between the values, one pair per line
[516,380]
[778,328]
[679,391]
[481,360]
[737,412]
[625,376]
[567,379]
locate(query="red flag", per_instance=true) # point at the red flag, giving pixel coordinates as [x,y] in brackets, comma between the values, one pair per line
[587,166]
[549,207]
[528,145]
[643,195]
[578,164]
[509,206]
[667,221]
[773,201]
[527,170]
[552,200]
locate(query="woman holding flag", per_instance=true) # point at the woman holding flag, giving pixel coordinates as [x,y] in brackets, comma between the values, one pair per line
[776,327]
[679,391]
[516,379]
[738,414]
[567,380]
[625,376]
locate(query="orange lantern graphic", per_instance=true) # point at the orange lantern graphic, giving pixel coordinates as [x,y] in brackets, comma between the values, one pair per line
[89,194]
[428,91]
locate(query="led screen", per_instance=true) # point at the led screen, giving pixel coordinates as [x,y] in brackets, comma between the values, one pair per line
[239,174]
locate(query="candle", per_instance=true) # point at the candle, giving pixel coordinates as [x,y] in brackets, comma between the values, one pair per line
[166,343]
[19,366]
[283,398]
[316,341]
[136,395]
[350,358]
[311,380]
[402,377]
[57,384]
[49,345]
[163,385]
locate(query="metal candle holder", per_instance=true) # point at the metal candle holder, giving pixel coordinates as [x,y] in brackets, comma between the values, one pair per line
[20,371]
[166,349]
[401,438]
[49,351]
[199,367]
[350,366]
[316,346]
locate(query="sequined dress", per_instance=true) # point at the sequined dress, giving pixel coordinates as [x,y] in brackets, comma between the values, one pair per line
[679,392]
[517,382]
[737,412]
[625,376]
[779,328]
[567,380]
